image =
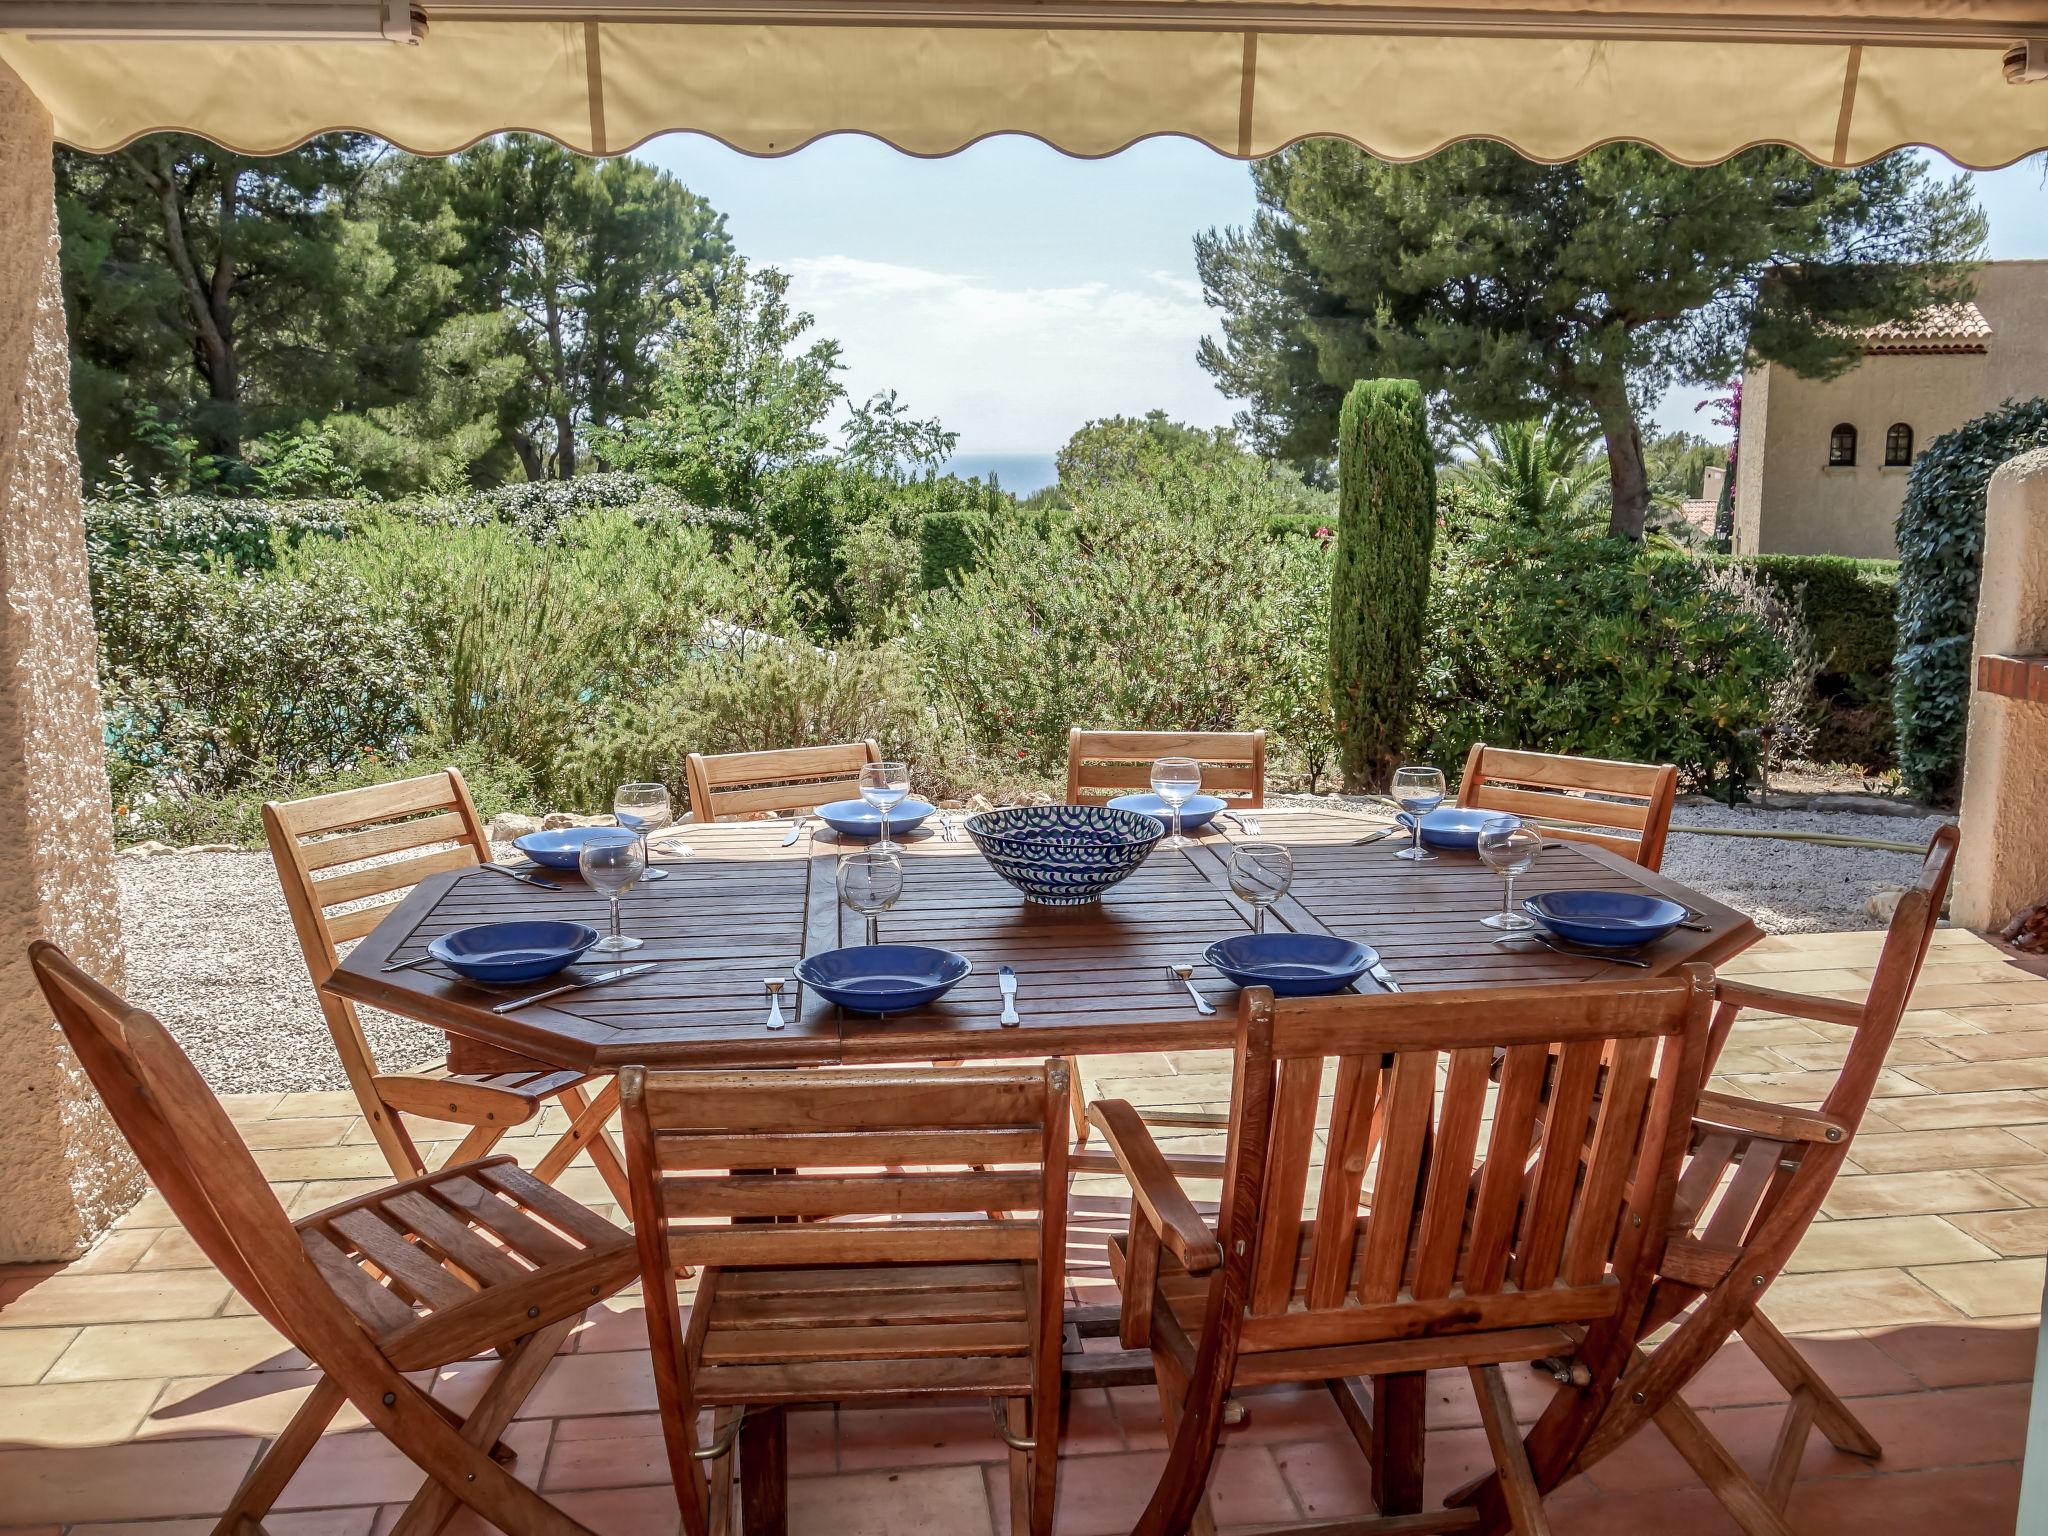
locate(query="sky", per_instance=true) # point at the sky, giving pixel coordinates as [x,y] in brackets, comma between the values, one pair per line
[1015,292]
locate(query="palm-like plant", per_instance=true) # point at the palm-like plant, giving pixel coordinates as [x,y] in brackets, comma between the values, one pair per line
[1536,471]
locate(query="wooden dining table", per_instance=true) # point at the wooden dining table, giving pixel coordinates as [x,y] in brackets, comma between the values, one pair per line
[747,902]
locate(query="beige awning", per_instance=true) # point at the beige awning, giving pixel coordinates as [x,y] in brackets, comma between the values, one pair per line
[1700,79]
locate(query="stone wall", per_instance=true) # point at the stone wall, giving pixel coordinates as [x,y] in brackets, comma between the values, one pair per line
[64,1172]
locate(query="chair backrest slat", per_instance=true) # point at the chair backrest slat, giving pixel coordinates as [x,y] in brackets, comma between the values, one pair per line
[1101,764]
[1622,807]
[787,779]
[1452,1218]
[954,1142]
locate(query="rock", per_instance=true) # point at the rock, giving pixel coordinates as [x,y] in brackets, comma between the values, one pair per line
[980,803]
[151,849]
[211,848]
[509,825]
[1884,901]
[555,820]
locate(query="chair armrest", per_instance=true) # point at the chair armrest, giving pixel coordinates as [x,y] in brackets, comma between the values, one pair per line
[1826,1010]
[1754,1117]
[1158,1193]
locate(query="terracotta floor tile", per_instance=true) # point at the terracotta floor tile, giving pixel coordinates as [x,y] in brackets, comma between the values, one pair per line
[2001,1288]
[2001,1045]
[346,1469]
[1974,1147]
[123,1482]
[325,1163]
[916,1434]
[1874,1298]
[1329,1477]
[25,1353]
[574,1386]
[1852,1365]
[1942,1111]
[1880,1242]
[146,1297]
[619,1323]
[613,1461]
[2009,1233]
[116,1252]
[931,1501]
[74,1413]
[1935,1193]
[1951,1499]
[295,1105]
[298,1522]
[213,1346]
[1098,1495]
[1981,1076]
[269,1135]
[247,1403]
[1667,1512]
[1964,1354]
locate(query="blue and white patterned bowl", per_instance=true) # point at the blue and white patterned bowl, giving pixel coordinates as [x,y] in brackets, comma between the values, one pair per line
[1063,855]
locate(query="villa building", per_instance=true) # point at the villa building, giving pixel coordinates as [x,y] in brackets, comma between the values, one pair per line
[1822,463]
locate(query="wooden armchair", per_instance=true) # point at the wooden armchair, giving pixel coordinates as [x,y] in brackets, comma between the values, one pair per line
[1622,807]
[1105,763]
[1463,1251]
[375,1290]
[1755,1179]
[794,779]
[810,1292]
[432,822]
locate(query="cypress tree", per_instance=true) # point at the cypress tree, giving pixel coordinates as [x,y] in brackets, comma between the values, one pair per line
[1379,588]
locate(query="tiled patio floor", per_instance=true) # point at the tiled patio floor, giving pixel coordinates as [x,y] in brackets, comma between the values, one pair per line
[135,1388]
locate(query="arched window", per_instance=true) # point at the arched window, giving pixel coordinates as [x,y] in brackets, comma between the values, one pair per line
[1842,447]
[1898,445]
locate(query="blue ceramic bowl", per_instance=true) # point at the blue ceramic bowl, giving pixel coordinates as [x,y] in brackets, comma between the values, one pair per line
[856,818]
[1450,826]
[1292,964]
[883,978]
[507,952]
[558,849]
[1605,919]
[1198,812]
[1063,855]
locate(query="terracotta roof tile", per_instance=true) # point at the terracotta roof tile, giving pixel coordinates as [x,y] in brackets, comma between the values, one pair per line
[1939,328]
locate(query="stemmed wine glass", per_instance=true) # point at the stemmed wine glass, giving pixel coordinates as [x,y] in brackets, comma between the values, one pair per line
[1260,874]
[883,786]
[644,808]
[870,883]
[1508,848]
[1175,780]
[1418,791]
[612,864]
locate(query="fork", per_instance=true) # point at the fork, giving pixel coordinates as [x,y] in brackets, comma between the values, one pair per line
[523,879]
[774,986]
[1185,975]
[1248,825]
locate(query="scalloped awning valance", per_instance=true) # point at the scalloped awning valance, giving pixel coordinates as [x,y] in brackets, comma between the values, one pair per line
[1839,80]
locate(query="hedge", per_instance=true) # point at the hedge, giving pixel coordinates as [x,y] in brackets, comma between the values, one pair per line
[947,545]
[1941,554]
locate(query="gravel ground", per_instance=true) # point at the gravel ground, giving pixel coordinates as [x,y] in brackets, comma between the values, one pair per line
[211,950]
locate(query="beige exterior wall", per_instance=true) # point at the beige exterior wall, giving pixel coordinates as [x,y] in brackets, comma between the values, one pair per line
[64,1172]
[1787,499]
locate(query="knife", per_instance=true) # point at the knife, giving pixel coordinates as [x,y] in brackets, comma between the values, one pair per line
[523,879]
[1379,973]
[1585,954]
[576,986]
[796,831]
[1007,980]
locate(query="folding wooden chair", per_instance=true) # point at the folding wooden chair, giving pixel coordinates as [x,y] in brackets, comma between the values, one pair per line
[793,779]
[1622,807]
[412,1278]
[1455,1247]
[1756,1177]
[432,822]
[942,1274]
[1105,763]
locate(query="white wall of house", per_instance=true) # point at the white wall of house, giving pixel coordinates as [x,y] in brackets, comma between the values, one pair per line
[1789,501]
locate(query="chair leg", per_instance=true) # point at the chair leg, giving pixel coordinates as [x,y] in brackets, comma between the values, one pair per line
[1017,1419]
[1398,1409]
[267,1479]
[1830,1414]
[1725,1478]
[1047,1413]
[510,1385]
[587,1121]
[1504,1438]
[764,1473]
[723,1470]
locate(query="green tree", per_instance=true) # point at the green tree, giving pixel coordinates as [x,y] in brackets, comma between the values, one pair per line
[734,400]
[1676,464]
[1379,589]
[1534,470]
[1514,288]
[1115,448]
[592,262]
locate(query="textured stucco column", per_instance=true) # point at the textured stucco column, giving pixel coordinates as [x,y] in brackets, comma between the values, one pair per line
[2002,866]
[64,1172]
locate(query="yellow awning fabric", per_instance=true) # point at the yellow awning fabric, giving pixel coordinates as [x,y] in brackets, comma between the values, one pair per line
[931,88]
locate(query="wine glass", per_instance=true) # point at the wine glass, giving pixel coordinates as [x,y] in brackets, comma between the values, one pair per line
[612,864]
[1260,874]
[1508,848]
[644,808]
[1418,791]
[883,785]
[869,883]
[1175,780]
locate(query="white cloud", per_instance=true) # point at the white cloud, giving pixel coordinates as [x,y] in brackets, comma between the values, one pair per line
[1013,368]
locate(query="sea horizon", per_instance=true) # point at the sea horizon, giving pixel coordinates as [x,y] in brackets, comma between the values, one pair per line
[1018,473]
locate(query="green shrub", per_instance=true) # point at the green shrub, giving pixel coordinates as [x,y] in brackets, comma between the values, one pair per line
[245,534]
[1154,606]
[1379,589]
[1847,607]
[1941,554]
[1555,638]
[947,546]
